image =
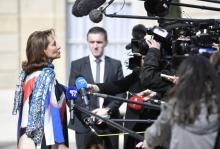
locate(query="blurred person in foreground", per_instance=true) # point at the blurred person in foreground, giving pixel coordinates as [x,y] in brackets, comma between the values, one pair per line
[39,98]
[215,61]
[190,119]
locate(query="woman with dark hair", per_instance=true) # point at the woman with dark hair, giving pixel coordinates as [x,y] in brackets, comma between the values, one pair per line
[215,61]
[39,98]
[190,119]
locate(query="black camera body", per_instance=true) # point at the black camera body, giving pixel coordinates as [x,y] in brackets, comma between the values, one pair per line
[135,61]
[159,34]
[139,47]
[195,38]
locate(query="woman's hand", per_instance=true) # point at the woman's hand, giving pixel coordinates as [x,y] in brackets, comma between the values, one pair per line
[143,144]
[140,145]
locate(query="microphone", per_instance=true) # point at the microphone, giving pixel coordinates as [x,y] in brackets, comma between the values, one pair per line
[145,104]
[75,11]
[83,7]
[139,31]
[135,106]
[96,15]
[81,85]
[128,46]
[157,7]
[109,122]
[71,94]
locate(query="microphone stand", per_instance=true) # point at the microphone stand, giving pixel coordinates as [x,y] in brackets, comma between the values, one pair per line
[109,122]
[195,6]
[108,4]
[211,1]
[145,104]
[114,15]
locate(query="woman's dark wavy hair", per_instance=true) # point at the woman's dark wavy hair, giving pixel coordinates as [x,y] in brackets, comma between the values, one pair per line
[198,82]
[215,61]
[36,44]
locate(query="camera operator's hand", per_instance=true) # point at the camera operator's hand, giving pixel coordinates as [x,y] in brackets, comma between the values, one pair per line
[140,145]
[92,88]
[147,94]
[143,144]
[153,44]
[103,112]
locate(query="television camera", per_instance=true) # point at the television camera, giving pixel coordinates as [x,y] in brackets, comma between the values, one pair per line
[178,39]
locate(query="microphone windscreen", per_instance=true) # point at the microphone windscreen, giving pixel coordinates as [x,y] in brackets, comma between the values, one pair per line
[149,6]
[85,6]
[157,7]
[71,93]
[139,31]
[95,16]
[75,11]
[80,83]
[128,46]
[136,106]
[162,8]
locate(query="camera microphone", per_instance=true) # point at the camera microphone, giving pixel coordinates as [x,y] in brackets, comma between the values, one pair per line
[71,95]
[83,7]
[139,31]
[81,86]
[96,15]
[75,11]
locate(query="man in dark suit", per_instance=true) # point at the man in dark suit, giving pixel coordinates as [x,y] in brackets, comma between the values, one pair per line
[96,68]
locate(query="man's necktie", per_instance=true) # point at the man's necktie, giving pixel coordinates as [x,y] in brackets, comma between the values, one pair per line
[97,80]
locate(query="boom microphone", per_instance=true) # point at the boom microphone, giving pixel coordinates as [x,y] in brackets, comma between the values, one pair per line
[75,11]
[71,95]
[83,7]
[81,86]
[96,15]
